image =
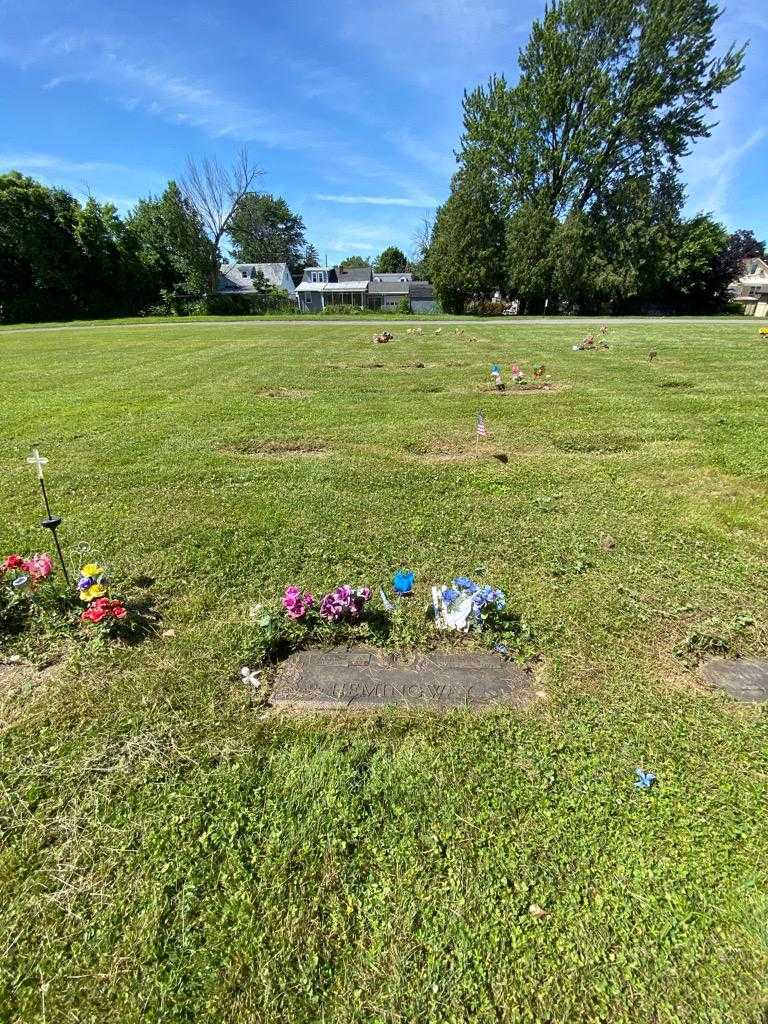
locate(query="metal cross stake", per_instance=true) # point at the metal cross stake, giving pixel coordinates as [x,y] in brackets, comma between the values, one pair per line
[50,522]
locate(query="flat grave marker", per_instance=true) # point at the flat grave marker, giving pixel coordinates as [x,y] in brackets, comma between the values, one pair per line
[359,679]
[744,679]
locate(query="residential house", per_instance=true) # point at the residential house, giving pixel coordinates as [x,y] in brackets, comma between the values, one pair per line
[751,288]
[238,278]
[360,286]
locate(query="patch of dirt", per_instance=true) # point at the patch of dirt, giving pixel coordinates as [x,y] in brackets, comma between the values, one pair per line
[18,679]
[448,452]
[277,449]
[608,445]
[676,384]
[296,394]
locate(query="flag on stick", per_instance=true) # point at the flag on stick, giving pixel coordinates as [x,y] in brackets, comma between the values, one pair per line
[481,431]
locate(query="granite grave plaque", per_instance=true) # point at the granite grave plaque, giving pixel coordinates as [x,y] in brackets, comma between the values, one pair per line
[359,678]
[745,679]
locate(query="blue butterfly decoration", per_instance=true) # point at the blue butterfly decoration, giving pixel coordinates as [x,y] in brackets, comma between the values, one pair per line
[644,779]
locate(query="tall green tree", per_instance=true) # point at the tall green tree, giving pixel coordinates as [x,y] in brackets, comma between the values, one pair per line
[264,229]
[392,261]
[40,258]
[606,92]
[355,262]
[465,256]
[168,236]
[311,257]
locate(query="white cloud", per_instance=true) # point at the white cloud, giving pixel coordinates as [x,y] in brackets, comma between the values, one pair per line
[59,165]
[377,200]
[711,177]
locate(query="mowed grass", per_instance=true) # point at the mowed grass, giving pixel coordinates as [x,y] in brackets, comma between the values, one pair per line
[171,852]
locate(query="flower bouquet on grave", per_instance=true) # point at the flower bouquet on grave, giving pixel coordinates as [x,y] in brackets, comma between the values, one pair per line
[102,611]
[518,376]
[465,605]
[22,586]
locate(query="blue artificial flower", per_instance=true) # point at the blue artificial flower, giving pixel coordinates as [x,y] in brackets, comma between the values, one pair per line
[450,595]
[465,583]
[20,581]
[84,582]
[644,779]
[495,369]
[402,581]
[501,649]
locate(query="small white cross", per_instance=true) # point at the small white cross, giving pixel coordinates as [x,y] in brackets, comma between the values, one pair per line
[37,460]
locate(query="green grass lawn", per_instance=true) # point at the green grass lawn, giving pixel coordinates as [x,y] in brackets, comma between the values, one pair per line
[171,852]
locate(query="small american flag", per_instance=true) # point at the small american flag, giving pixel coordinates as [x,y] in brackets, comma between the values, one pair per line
[481,431]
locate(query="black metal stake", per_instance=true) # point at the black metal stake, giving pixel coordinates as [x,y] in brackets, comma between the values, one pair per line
[52,522]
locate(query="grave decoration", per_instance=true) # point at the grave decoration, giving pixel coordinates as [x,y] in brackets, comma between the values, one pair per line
[383,338]
[50,522]
[93,589]
[465,605]
[763,332]
[652,355]
[26,589]
[517,374]
[643,779]
[402,582]
[344,604]
[496,377]
[589,344]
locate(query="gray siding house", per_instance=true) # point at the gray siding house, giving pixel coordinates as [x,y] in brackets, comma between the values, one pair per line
[238,278]
[360,286]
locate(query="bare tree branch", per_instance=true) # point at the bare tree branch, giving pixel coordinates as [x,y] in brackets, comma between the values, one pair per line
[215,191]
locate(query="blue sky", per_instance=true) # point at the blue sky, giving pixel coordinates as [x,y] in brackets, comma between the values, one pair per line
[352,109]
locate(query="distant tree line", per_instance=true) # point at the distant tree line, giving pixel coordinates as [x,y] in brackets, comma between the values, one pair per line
[568,193]
[60,258]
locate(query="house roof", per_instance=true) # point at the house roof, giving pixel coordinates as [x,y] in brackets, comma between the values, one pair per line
[388,288]
[422,290]
[346,286]
[232,278]
[355,274]
[405,275]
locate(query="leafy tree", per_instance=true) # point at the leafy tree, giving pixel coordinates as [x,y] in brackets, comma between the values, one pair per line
[40,259]
[352,262]
[392,261]
[264,230]
[171,244]
[606,93]
[741,245]
[311,257]
[465,257]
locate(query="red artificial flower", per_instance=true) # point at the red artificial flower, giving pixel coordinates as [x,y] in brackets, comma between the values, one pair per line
[93,614]
[118,610]
[12,562]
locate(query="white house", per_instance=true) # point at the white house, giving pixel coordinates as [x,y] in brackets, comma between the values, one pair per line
[237,278]
[751,288]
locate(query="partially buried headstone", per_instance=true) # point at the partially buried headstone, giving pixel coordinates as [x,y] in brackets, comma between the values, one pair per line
[744,679]
[359,679]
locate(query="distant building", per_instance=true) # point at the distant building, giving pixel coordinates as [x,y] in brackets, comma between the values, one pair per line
[360,286]
[238,278]
[751,288]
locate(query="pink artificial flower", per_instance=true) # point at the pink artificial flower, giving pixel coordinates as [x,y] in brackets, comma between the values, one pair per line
[38,566]
[295,603]
[12,562]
